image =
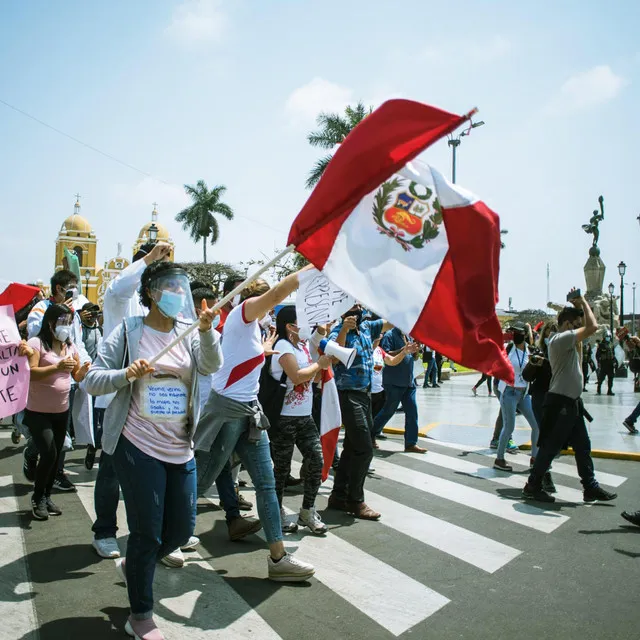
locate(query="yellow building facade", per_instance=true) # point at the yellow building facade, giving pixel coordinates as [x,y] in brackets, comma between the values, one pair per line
[77,236]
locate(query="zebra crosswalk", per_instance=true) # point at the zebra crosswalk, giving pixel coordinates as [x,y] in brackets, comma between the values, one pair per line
[449,521]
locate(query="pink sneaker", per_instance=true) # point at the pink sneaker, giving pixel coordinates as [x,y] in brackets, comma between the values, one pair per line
[143,629]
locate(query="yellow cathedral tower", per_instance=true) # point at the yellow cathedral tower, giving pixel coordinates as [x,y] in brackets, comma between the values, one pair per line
[78,237]
[153,231]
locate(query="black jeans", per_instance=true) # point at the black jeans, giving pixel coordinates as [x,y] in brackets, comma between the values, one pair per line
[566,424]
[357,448]
[606,371]
[485,378]
[47,432]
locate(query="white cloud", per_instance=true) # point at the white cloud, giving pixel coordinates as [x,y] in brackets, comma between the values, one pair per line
[586,89]
[197,21]
[493,49]
[306,102]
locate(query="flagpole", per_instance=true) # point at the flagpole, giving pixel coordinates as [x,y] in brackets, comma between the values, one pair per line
[224,301]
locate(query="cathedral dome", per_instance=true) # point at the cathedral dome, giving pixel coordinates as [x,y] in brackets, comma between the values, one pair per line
[163,233]
[76,223]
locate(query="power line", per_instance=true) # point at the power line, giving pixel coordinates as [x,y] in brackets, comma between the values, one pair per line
[113,158]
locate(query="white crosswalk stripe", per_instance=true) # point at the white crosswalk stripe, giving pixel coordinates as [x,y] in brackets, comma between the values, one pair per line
[387,596]
[561,468]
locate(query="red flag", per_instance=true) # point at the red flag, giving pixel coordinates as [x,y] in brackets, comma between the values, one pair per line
[397,236]
[17,295]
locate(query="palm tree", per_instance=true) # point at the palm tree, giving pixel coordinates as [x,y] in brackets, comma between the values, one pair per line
[334,128]
[199,219]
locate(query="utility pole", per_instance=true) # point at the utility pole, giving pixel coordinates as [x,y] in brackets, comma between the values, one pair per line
[548,286]
[454,143]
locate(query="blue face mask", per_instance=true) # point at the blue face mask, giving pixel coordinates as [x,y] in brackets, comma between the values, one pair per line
[216,322]
[170,303]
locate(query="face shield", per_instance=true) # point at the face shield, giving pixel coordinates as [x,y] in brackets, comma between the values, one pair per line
[171,292]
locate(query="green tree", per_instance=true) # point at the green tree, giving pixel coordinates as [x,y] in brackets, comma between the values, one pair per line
[199,218]
[213,274]
[333,129]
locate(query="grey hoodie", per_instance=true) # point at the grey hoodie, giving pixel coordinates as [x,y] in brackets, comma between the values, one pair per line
[108,374]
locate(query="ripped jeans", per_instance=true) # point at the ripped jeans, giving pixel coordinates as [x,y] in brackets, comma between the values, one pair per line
[160,500]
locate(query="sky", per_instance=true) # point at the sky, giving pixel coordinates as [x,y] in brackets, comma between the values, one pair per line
[227,91]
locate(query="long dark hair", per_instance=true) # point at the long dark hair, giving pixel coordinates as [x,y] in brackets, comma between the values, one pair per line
[51,316]
[286,315]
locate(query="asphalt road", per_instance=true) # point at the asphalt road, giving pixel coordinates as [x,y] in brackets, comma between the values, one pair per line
[457,554]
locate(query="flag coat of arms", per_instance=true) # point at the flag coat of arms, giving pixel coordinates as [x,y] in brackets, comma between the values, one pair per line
[395,234]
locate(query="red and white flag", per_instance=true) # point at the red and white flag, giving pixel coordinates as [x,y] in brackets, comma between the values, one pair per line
[399,237]
[330,420]
[17,295]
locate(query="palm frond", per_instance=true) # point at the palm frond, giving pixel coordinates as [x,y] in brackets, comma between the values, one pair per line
[215,230]
[316,173]
[224,210]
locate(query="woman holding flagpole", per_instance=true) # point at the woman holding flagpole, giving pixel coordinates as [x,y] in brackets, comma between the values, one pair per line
[150,423]
[233,419]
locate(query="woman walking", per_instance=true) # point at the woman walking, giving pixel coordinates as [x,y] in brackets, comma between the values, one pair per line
[150,424]
[53,361]
[296,426]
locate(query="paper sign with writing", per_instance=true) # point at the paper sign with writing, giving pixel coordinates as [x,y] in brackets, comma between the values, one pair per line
[14,369]
[165,399]
[82,412]
[319,301]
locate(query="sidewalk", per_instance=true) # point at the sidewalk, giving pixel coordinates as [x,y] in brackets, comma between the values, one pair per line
[452,414]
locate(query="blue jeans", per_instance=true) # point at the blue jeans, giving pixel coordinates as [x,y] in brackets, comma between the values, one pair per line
[393,397]
[256,458]
[106,496]
[227,492]
[510,400]
[160,500]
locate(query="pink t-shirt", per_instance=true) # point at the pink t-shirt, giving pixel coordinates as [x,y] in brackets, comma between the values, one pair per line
[239,376]
[51,394]
[159,410]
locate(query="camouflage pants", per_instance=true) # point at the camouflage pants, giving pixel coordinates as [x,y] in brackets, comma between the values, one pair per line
[300,431]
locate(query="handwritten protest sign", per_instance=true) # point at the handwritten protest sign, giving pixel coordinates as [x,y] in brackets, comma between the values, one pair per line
[14,369]
[319,301]
[82,412]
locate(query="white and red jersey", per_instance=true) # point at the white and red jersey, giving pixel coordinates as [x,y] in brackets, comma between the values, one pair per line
[239,376]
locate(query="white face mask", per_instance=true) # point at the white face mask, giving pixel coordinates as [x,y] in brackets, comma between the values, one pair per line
[235,301]
[62,332]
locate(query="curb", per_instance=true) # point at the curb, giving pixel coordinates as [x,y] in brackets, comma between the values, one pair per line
[599,453]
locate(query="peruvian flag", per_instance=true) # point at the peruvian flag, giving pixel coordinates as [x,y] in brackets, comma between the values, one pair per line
[399,237]
[330,420]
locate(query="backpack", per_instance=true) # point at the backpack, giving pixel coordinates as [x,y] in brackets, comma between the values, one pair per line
[272,392]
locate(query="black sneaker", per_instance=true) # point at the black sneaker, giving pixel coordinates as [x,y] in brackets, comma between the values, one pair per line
[633,518]
[381,436]
[629,426]
[598,493]
[610,393]
[62,483]
[39,509]
[539,495]
[547,483]
[90,458]
[52,508]
[29,469]
[293,482]
[501,465]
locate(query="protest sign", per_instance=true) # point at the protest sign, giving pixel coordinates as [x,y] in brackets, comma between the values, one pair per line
[14,369]
[319,301]
[82,412]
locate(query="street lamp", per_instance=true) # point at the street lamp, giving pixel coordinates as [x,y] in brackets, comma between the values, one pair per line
[611,289]
[87,277]
[153,233]
[633,314]
[454,143]
[622,269]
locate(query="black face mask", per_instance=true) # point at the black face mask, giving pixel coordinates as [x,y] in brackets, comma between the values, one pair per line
[518,338]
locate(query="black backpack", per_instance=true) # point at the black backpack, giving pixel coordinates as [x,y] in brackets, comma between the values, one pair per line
[272,392]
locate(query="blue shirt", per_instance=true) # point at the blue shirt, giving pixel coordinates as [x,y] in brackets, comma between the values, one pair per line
[402,374]
[358,377]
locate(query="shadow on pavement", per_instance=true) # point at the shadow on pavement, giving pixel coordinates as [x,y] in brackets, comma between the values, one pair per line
[95,628]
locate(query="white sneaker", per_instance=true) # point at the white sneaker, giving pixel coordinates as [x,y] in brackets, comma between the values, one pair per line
[371,469]
[175,559]
[288,526]
[310,518]
[289,569]
[192,543]
[120,569]
[106,547]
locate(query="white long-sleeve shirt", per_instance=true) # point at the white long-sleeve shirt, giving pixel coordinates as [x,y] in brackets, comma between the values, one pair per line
[34,324]
[121,301]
